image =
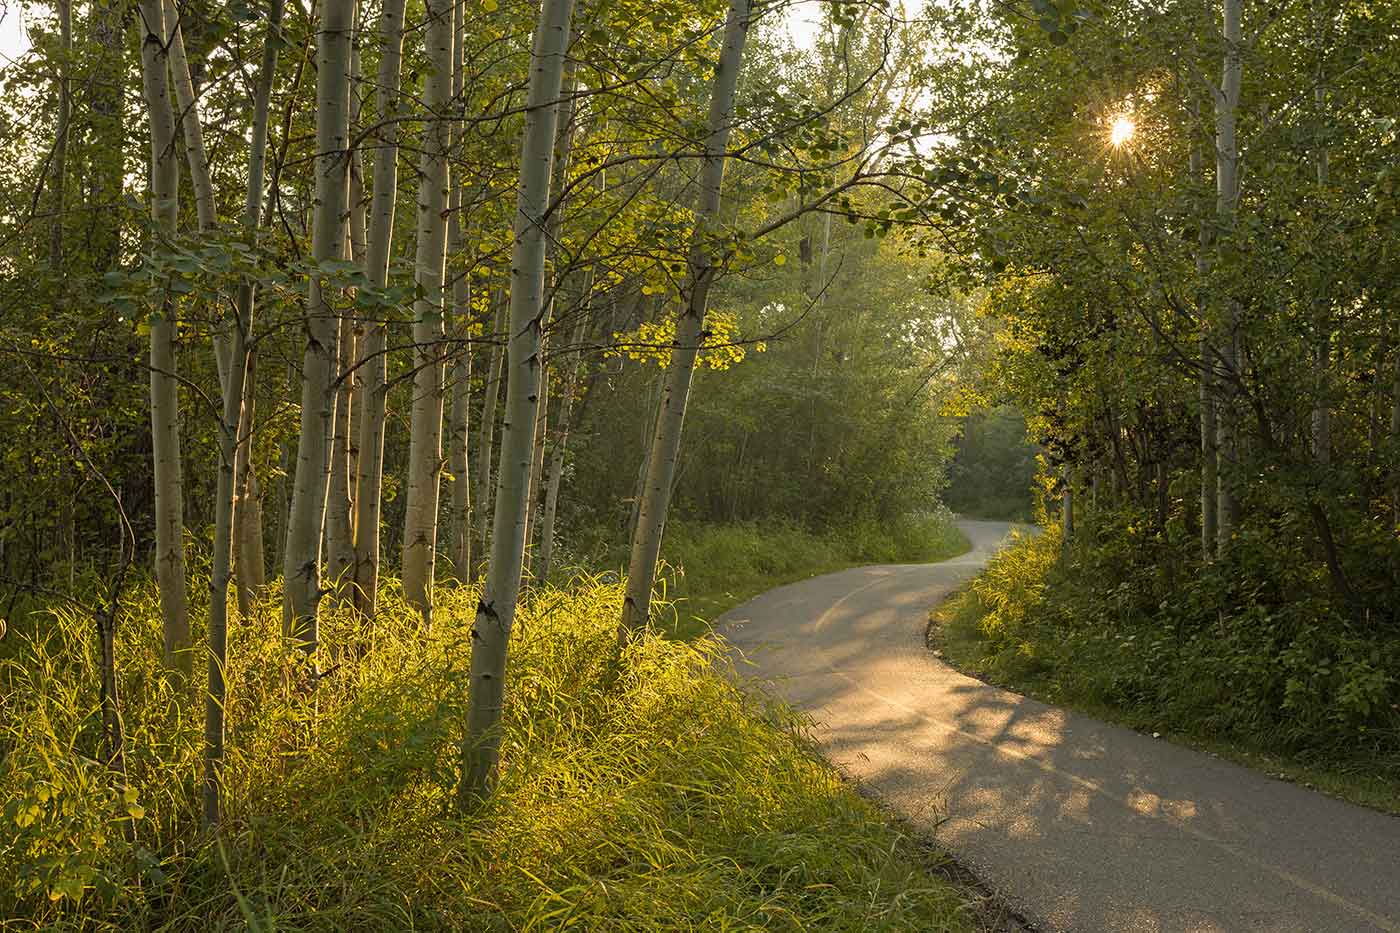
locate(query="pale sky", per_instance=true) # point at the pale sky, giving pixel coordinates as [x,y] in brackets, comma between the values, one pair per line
[13,41]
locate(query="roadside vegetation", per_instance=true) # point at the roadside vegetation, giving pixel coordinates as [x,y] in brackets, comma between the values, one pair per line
[642,792]
[709,568]
[1244,657]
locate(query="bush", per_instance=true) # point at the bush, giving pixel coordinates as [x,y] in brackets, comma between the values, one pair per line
[1247,648]
[646,792]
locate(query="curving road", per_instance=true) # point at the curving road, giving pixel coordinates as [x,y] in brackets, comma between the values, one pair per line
[1078,824]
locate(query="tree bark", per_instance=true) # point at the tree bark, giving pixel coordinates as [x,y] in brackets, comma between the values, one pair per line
[58,170]
[425,423]
[655,498]
[554,478]
[1227,187]
[340,507]
[373,389]
[496,610]
[165,406]
[490,396]
[302,563]
[459,542]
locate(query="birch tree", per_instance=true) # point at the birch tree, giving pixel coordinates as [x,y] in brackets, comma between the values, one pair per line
[1227,187]
[165,425]
[301,571]
[425,438]
[496,609]
[655,497]
[373,386]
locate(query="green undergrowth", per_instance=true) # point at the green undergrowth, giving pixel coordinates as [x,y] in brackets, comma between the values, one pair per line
[710,568]
[1234,658]
[641,792]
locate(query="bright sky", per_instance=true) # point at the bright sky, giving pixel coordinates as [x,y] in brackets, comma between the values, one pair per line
[13,41]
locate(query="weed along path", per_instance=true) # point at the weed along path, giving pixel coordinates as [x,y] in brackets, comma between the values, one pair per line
[1080,825]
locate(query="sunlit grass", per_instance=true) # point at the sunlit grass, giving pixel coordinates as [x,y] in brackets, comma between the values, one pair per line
[644,792]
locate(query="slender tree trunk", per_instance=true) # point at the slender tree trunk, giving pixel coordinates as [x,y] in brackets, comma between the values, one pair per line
[200,181]
[165,413]
[104,92]
[496,609]
[1066,505]
[302,563]
[340,507]
[458,428]
[235,416]
[425,437]
[1210,479]
[58,170]
[1227,187]
[220,574]
[537,459]
[554,479]
[490,395]
[666,441]
[374,387]
[1321,413]
[249,560]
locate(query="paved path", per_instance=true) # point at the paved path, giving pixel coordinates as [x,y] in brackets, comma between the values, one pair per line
[1080,825]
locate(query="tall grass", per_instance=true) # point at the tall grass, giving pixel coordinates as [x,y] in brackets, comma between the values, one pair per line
[641,792]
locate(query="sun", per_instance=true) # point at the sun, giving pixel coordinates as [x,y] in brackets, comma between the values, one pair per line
[1122,131]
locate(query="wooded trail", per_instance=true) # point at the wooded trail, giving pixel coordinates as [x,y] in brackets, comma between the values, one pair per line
[1080,825]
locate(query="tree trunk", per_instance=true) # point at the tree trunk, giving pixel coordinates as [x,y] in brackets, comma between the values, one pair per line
[249,561]
[105,93]
[490,395]
[1209,461]
[165,406]
[554,479]
[496,609]
[236,413]
[1227,188]
[425,423]
[655,498]
[302,563]
[200,182]
[220,573]
[58,170]
[458,428]
[1066,505]
[340,506]
[374,389]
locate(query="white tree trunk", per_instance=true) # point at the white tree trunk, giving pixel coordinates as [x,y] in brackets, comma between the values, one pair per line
[373,387]
[490,395]
[306,519]
[496,609]
[655,497]
[458,423]
[1227,188]
[425,422]
[165,405]
[231,423]
[340,508]
[559,449]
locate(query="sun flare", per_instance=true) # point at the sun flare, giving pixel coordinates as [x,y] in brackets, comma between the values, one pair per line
[1122,131]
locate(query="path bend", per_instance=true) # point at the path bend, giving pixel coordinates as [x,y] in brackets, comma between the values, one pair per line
[1080,825]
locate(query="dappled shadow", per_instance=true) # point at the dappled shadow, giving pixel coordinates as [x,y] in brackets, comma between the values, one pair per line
[1085,826]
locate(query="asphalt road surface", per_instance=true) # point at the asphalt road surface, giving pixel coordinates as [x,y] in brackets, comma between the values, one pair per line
[1078,824]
